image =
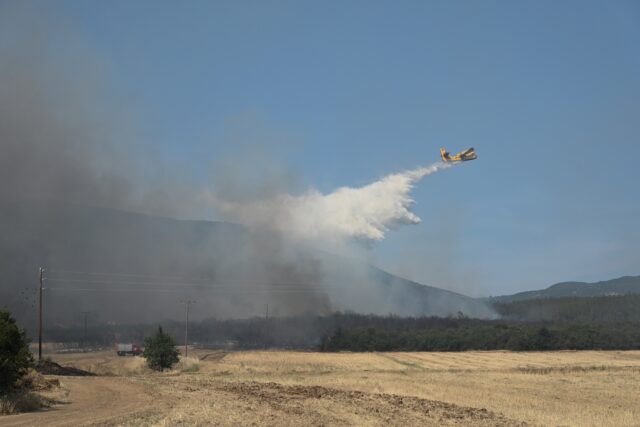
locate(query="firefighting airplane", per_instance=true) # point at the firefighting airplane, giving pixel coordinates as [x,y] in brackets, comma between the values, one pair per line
[463,156]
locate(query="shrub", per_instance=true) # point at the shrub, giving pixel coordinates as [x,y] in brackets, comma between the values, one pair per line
[189,365]
[20,401]
[15,357]
[160,351]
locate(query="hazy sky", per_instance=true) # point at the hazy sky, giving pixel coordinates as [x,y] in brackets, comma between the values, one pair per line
[341,93]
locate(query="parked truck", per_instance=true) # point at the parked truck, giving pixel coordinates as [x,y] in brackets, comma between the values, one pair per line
[128,349]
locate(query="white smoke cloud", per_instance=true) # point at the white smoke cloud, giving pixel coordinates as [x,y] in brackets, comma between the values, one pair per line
[365,213]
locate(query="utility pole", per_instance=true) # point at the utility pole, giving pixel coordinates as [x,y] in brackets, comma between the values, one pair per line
[40,280]
[266,326]
[84,336]
[186,326]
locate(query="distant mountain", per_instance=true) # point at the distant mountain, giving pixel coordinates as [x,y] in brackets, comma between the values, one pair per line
[620,286]
[129,267]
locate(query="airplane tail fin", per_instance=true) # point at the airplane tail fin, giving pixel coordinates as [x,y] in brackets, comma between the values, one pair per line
[444,155]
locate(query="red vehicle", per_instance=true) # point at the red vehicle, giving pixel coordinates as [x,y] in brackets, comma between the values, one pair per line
[128,349]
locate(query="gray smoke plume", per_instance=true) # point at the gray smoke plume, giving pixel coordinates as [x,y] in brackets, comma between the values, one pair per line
[73,169]
[65,134]
[68,148]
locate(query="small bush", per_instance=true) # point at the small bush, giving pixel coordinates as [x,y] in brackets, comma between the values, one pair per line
[20,401]
[35,381]
[189,365]
[160,351]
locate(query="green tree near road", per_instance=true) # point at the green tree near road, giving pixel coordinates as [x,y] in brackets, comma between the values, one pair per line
[15,357]
[160,351]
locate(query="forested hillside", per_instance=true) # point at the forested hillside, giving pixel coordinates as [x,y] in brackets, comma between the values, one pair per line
[607,309]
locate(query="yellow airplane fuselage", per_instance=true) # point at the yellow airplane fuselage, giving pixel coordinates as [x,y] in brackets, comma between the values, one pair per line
[463,156]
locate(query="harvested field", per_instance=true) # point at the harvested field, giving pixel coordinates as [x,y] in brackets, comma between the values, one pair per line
[584,388]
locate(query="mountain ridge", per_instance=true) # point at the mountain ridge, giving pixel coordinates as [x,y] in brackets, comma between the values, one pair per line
[619,286]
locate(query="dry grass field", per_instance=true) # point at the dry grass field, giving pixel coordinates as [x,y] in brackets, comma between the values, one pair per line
[587,388]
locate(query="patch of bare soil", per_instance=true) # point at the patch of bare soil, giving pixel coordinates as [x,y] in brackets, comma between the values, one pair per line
[47,367]
[216,356]
[388,409]
[190,400]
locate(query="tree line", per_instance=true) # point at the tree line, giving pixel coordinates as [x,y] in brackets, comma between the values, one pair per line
[357,332]
[482,335]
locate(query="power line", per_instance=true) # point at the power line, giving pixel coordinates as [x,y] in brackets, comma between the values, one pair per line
[118,282]
[113,278]
[169,285]
[150,276]
[114,282]
[230,290]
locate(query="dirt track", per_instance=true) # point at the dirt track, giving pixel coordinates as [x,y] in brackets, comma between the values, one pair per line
[91,400]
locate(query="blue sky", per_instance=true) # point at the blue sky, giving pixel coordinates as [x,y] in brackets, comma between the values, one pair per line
[343,92]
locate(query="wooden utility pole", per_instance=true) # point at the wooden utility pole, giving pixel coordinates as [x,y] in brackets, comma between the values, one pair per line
[265,329]
[84,336]
[40,279]
[186,326]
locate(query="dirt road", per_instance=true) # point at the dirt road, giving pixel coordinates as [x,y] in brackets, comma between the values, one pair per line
[90,400]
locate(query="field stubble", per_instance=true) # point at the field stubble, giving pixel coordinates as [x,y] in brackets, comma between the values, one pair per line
[471,388]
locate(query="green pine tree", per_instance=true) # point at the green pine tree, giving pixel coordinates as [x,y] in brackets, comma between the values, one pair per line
[15,357]
[160,351]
